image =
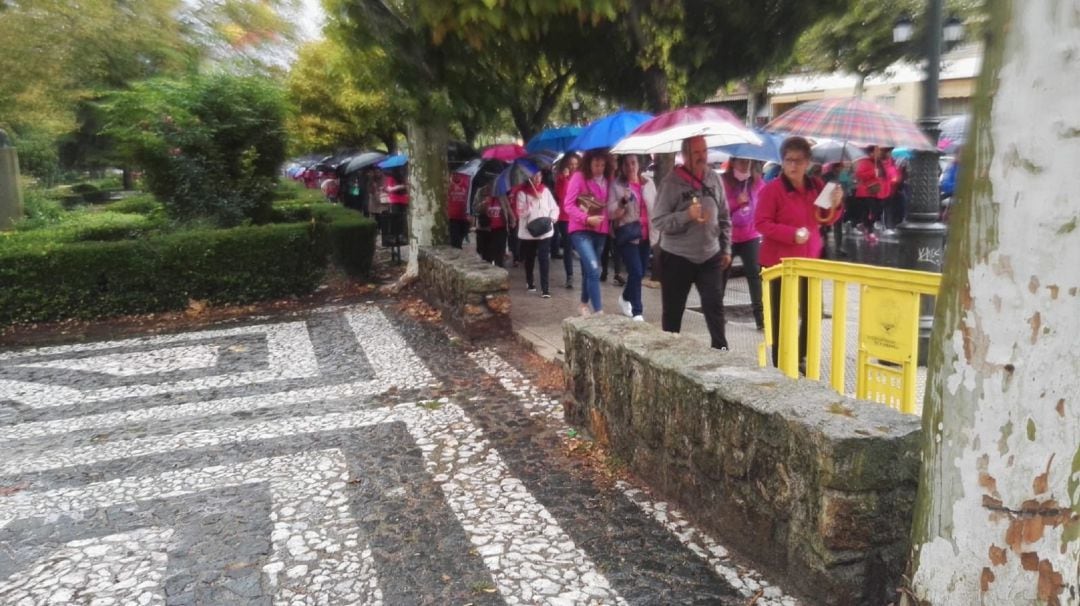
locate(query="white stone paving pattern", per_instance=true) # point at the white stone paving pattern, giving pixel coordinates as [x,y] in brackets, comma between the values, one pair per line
[290,356]
[113,570]
[746,581]
[317,556]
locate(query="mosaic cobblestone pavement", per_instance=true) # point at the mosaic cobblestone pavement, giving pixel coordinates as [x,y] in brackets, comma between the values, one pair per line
[343,456]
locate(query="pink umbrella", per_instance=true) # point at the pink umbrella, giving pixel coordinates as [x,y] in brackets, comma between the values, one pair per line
[507,152]
[664,134]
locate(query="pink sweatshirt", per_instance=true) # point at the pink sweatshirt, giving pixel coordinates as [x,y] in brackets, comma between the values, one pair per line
[577,216]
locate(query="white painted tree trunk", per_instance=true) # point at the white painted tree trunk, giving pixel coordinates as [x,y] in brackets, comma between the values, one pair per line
[428,181]
[998,512]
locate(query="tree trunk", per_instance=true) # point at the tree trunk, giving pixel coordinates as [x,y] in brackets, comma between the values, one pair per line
[390,141]
[997,517]
[428,172]
[128,179]
[860,85]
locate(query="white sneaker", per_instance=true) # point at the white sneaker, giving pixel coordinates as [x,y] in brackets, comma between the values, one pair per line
[639,318]
[624,305]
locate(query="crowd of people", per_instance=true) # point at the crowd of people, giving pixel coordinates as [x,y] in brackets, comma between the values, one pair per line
[606,211]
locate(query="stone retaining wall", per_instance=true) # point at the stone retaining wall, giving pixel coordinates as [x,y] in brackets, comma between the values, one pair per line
[473,296]
[816,488]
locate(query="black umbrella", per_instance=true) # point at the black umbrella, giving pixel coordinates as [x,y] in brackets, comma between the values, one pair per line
[361,161]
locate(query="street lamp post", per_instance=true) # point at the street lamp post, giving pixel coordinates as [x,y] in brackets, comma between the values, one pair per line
[922,234]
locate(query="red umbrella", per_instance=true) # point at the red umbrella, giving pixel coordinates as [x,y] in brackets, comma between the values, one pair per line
[665,133]
[507,152]
[851,119]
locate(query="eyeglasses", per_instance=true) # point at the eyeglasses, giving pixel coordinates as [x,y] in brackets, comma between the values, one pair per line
[796,161]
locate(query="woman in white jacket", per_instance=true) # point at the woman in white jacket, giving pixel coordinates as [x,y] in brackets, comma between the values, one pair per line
[534,201]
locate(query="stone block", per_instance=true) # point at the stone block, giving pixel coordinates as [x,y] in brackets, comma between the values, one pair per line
[812,485]
[473,296]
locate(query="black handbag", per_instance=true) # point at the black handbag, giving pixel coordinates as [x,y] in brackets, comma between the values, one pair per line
[625,234]
[539,226]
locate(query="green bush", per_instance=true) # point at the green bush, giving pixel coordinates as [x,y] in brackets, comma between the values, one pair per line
[84,225]
[85,188]
[141,204]
[40,208]
[352,235]
[55,273]
[210,146]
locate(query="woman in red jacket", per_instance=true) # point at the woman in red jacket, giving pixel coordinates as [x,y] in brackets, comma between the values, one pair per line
[788,222]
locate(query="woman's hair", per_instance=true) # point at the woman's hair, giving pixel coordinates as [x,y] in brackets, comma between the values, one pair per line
[564,162]
[586,163]
[621,163]
[798,144]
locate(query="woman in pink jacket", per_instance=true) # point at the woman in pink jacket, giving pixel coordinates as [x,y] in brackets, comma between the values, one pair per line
[788,221]
[742,189]
[586,208]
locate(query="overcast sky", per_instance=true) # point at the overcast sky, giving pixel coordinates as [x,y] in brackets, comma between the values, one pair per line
[312,19]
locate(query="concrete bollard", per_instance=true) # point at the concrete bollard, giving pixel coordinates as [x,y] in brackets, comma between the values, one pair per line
[11,206]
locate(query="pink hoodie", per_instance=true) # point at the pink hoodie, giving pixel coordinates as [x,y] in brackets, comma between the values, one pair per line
[577,216]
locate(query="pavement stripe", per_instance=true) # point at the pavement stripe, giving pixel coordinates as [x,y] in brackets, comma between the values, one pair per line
[530,557]
[290,356]
[394,363]
[130,364]
[535,403]
[745,580]
[315,544]
[126,568]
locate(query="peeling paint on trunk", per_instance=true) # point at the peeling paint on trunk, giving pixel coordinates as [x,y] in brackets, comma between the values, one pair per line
[998,513]
[428,182]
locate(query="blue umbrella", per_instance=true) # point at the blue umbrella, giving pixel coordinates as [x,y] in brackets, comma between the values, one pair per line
[554,139]
[519,171]
[768,151]
[394,161]
[609,130]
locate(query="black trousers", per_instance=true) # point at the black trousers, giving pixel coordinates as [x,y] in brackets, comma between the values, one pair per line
[495,250]
[774,300]
[679,274]
[531,250]
[748,251]
[459,228]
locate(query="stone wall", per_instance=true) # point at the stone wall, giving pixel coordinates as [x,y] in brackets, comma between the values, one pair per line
[473,296]
[814,487]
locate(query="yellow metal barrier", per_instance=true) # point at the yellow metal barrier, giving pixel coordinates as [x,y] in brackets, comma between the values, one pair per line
[888,340]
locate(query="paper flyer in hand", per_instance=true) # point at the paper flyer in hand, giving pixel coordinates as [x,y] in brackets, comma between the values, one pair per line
[824,199]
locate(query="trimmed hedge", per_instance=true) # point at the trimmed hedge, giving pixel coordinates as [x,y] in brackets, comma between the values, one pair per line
[352,236]
[50,281]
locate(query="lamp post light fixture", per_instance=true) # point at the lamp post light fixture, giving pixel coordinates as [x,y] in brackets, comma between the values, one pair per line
[575,110]
[922,234]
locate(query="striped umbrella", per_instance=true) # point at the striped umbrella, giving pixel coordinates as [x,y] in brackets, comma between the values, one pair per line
[666,132]
[850,119]
[953,133]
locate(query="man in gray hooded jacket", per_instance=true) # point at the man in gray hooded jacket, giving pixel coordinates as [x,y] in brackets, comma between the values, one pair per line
[695,244]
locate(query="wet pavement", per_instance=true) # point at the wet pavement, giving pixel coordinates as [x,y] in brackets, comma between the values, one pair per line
[343,455]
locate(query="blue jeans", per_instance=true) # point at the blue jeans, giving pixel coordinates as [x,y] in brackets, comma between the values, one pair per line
[589,245]
[636,259]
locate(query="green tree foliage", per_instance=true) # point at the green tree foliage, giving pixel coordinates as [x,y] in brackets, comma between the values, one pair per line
[210,146]
[56,53]
[341,97]
[58,57]
[656,53]
[860,40]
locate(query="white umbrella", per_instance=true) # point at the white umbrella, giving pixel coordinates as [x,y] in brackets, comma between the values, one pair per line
[665,133]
